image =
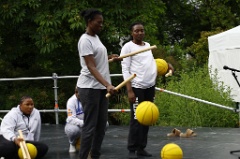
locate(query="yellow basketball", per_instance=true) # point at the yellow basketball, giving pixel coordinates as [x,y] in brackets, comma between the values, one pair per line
[31,149]
[147,113]
[162,66]
[171,151]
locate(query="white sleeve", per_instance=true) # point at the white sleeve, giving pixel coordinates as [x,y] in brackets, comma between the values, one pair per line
[8,126]
[126,62]
[71,111]
[85,46]
[38,131]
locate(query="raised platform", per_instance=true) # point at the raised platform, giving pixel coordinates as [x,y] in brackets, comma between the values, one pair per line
[210,143]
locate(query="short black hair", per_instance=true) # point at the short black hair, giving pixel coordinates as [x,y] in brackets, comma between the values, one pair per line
[90,13]
[24,98]
[135,23]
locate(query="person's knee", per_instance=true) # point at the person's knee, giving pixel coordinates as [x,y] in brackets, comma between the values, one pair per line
[42,150]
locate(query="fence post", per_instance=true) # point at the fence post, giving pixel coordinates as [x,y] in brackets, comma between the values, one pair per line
[56,108]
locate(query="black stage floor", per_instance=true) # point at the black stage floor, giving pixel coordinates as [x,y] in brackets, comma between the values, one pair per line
[210,143]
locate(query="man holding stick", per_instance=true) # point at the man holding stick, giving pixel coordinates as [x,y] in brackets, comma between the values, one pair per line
[141,88]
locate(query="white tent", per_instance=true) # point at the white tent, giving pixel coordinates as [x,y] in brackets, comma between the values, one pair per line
[224,50]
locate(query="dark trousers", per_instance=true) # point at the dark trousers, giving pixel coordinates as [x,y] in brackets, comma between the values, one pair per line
[95,108]
[138,134]
[9,149]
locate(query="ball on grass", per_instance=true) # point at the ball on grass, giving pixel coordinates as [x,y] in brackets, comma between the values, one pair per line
[171,151]
[162,66]
[31,149]
[147,113]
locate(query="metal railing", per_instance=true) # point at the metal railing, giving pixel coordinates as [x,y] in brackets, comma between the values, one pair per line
[56,109]
[55,78]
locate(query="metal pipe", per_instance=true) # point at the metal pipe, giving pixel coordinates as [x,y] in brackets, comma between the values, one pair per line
[56,108]
[196,99]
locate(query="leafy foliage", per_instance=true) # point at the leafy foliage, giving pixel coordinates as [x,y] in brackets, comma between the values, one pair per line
[39,38]
[199,49]
[180,111]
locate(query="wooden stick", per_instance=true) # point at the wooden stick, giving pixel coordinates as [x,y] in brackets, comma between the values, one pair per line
[136,52]
[169,73]
[122,84]
[24,146]
[23,150]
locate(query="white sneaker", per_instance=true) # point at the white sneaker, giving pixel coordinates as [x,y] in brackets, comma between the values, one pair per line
[72,148]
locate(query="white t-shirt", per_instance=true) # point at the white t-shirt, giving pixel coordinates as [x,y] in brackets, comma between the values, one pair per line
[91,45]
[142,64]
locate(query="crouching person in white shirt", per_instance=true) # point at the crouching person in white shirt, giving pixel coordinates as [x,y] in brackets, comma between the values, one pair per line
[74,122]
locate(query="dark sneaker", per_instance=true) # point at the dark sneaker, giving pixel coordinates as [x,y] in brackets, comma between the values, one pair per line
[143,153]
[132,155]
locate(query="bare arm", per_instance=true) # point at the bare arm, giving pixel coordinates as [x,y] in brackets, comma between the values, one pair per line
[131,95]
[91,65]
[114,58]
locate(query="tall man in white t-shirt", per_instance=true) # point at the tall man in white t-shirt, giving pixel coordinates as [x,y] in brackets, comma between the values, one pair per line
[141,88]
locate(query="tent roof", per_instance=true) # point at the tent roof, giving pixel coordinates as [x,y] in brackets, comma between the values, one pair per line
[229,39]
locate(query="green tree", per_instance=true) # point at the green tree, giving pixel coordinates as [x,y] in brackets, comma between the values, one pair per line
[39,38]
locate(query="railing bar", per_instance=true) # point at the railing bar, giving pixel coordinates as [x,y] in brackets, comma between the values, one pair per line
[50,77]
[65,110]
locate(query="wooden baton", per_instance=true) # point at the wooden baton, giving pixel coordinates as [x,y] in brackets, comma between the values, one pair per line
[136,52]
[169,73]
[23,146]
[122,84]
[23,150]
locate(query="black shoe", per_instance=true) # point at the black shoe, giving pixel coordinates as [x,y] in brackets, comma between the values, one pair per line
[132,155]
[143,153]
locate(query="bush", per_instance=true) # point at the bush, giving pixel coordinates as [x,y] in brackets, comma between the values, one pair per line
[179,111]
